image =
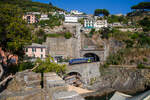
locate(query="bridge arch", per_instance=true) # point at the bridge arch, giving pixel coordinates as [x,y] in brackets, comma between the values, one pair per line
[95,56]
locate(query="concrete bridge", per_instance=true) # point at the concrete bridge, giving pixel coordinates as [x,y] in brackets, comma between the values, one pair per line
[87,71]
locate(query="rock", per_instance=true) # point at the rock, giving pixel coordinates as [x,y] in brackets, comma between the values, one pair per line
[71,95]
[26,85]
[126,80]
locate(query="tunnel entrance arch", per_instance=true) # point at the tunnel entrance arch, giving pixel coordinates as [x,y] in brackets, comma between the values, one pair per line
[96,57]
[73,78]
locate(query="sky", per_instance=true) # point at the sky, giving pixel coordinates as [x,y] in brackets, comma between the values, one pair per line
[88,6]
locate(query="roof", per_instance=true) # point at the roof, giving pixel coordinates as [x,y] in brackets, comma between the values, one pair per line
[35,45]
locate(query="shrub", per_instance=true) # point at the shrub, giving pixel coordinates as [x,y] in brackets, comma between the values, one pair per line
[54,35]
[25,65]
[140,66]
[49,65]
[68,35]
[105,65]
[145,59]
[92,32]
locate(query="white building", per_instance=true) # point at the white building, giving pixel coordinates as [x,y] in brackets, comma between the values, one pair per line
[116,24]
[71,19]
[44,17]
[62,13]
[76,12]
[97,24]
[100,23]
[89,23]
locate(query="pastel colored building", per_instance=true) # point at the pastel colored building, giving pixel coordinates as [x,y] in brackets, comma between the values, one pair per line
[100,24]
[36,51]
[30,18]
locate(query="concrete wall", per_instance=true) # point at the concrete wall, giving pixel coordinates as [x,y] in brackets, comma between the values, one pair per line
[63,47]
[60,46]
[87,71]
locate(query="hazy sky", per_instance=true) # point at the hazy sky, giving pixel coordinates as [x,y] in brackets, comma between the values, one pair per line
[88,6]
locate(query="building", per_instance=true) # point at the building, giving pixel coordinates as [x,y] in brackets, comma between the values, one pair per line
[35,13]
[89,23]
[115,24]
[100,23]
[44,17]
[76,12]
[30,18]
[35,51]
[71,19]
[97,24]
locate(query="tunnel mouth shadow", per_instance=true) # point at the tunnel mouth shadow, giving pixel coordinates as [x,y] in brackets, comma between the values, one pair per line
[96,57]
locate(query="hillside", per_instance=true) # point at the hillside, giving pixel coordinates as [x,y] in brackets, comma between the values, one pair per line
[29,6]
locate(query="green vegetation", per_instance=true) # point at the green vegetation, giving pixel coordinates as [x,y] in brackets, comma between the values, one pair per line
[145,23]
[25,65]
[55,35]
[140,66]
[29,6]
[81,21]
[140,9]
[98,12]
[49,65]
[52,22]
[121,19]
[107,33]
[142,6]
[135,49]
[39,36]
[92,32]
[68,35]
[14,33]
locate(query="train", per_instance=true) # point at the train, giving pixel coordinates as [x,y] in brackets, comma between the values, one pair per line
[81,60]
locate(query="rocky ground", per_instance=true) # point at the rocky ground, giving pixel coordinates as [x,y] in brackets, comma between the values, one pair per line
[126,80]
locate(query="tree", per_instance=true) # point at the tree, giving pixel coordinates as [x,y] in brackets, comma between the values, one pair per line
[145,23]
[40,36]
[142,6]
[98,12]
[81,21]
[49,65]
[14,34]
[50,3]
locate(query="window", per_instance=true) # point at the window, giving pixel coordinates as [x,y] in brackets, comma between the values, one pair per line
[41,49]
[26,49]
[33,49]
[41,56]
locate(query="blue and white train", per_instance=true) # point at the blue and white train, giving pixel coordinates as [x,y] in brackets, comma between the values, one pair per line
[81,60]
